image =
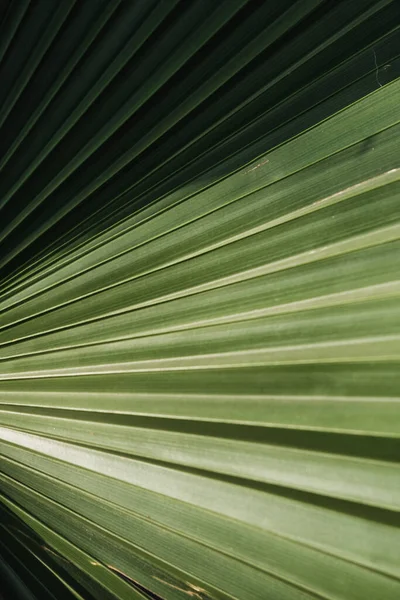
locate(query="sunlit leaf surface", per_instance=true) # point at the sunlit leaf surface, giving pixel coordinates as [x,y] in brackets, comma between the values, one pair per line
[200,299]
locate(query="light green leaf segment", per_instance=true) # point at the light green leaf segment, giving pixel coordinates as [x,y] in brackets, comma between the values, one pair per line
[200,398]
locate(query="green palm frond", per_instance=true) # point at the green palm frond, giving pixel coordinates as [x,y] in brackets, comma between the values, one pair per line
[199,302]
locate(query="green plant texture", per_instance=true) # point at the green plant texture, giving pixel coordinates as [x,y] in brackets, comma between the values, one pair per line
[200,299]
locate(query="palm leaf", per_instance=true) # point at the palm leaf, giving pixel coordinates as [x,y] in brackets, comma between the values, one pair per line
[199,308]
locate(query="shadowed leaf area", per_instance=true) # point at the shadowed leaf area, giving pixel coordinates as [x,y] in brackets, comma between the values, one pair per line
[199,300]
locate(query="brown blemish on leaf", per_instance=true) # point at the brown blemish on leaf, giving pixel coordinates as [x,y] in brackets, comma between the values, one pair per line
[257,166]
[195,592]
